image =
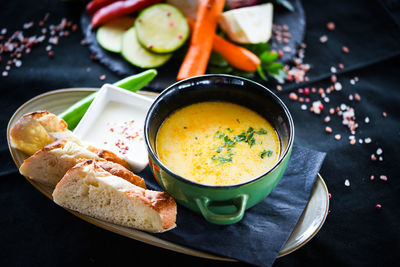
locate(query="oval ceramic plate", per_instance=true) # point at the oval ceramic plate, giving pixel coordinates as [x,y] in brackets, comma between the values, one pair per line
[56,101]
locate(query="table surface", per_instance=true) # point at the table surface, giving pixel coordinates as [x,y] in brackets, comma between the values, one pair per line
[35,231]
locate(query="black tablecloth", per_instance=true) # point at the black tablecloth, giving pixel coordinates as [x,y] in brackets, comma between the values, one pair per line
[354,234]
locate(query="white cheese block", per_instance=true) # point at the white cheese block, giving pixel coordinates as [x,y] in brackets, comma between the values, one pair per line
[248,25]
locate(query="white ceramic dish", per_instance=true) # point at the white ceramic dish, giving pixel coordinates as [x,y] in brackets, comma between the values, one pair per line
[115,121]
[56,101]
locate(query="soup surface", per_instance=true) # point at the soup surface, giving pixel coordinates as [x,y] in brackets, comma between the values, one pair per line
[217,143]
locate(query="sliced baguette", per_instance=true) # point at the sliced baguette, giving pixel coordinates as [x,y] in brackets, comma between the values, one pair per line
[49,164]
[29,135]
[89,189]
[37,129]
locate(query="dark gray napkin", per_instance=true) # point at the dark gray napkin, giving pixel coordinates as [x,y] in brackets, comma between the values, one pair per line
[265,228]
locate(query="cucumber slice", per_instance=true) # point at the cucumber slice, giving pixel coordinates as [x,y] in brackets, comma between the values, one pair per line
[162,28]
[135,54]
[110,34]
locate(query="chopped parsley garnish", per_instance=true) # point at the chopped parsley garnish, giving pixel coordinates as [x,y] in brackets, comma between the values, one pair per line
[261,131]
[266,153]
[251,142]
[222,159]
[240,137]
[224,152]
[250,139]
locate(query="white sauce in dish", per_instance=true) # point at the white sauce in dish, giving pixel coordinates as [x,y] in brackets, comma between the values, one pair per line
[119,128]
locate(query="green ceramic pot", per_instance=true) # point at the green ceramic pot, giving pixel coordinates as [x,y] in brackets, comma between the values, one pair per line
[219,204]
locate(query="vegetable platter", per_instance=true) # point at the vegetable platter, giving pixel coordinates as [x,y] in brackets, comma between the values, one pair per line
[132,35]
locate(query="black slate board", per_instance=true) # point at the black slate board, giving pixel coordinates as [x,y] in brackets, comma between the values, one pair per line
[167,73]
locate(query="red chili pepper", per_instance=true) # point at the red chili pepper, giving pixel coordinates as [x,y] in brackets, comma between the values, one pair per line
[95,5]
[119,9]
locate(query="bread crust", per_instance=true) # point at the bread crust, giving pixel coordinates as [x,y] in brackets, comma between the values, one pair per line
[161,202]
[120,171]
[108,155]
[49,121]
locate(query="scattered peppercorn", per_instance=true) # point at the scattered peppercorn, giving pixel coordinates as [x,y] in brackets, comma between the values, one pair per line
[330,26]
[328,129]
[293,96]
[383,178]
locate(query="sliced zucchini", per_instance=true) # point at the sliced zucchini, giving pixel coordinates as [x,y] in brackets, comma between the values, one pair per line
[135,54]
[110,34]
[162,28]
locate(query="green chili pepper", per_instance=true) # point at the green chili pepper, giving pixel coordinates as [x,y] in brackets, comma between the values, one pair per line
[134,83]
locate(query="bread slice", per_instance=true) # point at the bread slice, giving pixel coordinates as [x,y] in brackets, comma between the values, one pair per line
[37,129]
[89,189]
[29,135]
[49,164]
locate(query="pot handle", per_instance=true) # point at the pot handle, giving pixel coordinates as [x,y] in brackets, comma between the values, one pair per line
[240,202]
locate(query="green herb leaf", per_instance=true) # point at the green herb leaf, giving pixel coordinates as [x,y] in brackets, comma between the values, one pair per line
[267,57]
[224,160]
[266,153]
[268,64]
[259,48]
[252,142]
[261,131]
[217,60]
[261,73]
[273,67]
[240,137]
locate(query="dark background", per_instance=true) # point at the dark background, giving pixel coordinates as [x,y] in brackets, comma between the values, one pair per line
[35,231]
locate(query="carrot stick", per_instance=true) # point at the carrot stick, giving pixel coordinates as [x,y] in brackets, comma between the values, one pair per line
[237,56]
[201,43]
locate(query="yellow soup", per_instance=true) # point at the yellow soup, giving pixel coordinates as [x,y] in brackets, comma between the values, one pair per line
[217,143]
